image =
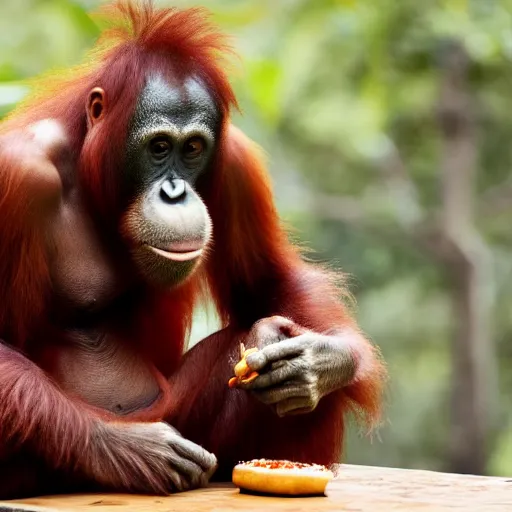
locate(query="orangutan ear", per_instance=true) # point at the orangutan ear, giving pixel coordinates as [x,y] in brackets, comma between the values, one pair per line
[96,106]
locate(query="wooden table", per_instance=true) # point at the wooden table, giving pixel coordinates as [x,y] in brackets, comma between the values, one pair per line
[355,489]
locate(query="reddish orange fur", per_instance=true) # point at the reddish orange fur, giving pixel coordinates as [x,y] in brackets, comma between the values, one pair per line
[37,410]
[252,270]
[24,277]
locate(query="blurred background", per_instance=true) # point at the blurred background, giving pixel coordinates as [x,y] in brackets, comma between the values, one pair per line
[388,128]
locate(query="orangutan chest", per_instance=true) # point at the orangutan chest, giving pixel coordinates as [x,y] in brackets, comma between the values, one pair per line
[85,273]
[105,373]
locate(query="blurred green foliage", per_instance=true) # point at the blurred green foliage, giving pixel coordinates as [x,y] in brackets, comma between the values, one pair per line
[327,87]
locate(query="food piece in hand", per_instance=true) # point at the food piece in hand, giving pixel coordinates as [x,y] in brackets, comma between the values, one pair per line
[234,381]
[243,373]
[282,477]
[241,368]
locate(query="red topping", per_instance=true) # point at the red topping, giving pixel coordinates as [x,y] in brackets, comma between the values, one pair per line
[283,464]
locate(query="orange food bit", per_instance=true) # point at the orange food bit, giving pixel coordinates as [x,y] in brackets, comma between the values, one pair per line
[242,368]
[249,378]
[243,373]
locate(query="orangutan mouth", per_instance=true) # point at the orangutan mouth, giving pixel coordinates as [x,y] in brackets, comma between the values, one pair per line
[182,251]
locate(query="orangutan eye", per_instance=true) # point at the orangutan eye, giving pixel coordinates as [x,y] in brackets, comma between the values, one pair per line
[160,147]
[193,148]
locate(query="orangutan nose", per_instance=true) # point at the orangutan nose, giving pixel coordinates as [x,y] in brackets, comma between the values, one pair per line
[173,191]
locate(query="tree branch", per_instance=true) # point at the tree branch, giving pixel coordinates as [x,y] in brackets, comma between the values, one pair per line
[457,125]
[496,200]
[468,267]
[401,189]
[424,233]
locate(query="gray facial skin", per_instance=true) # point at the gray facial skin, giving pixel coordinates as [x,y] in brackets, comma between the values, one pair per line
[179,113]
[171,142]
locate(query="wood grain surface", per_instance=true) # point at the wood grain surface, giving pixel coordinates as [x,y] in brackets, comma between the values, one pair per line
[355,489]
